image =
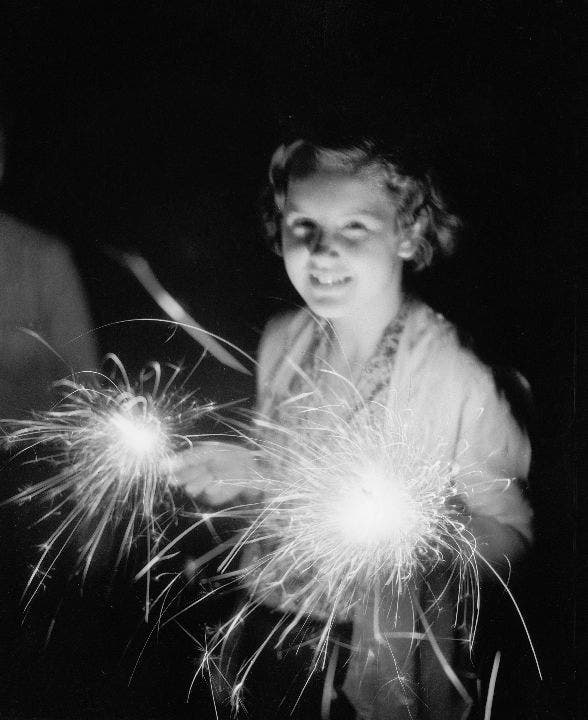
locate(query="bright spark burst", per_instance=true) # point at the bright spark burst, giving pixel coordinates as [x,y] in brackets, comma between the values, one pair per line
[350,506]
[110,444]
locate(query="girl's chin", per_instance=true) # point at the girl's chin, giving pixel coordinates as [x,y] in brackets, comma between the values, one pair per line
[329,311]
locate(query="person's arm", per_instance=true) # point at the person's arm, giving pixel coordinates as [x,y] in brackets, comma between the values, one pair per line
[68,323]
[220,473]
[493,458]
[500,544]
[216,473]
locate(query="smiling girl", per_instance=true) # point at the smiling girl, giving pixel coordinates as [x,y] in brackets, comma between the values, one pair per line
[347,220]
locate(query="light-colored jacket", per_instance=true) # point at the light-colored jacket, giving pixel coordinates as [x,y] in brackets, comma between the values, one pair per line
[447,395]
[454,411]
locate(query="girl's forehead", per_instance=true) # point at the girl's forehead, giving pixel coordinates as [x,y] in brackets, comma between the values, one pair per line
[363,191]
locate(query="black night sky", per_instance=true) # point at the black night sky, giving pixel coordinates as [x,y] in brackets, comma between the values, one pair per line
[148,126]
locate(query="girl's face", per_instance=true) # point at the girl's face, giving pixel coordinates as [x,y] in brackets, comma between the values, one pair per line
[341,246]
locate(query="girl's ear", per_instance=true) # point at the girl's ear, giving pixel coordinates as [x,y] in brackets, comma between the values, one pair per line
[410,241]
[406,249]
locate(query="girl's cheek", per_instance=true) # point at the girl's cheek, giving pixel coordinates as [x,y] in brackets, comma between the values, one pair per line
[294,250]
[294,259]
[288,245]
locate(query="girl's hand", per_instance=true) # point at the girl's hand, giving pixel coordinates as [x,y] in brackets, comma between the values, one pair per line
[215,472]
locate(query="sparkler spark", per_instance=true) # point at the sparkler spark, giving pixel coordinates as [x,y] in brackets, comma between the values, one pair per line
[110,445]
[350,507]
[357,502]
[356,516]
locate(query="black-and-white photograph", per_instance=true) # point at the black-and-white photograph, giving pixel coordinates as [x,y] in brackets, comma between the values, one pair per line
[289,306]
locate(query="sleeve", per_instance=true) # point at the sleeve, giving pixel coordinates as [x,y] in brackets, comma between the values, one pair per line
[273,346]
[456,414]
[68,318]
[492,458]
[43,295]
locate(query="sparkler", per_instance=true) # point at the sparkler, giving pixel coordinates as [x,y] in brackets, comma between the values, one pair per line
[111,445]
[350,507]
[356,516]
[356,501]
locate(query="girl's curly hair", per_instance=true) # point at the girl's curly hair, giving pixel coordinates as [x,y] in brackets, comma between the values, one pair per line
[419,206]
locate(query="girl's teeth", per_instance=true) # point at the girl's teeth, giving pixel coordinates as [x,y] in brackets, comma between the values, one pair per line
[329,279]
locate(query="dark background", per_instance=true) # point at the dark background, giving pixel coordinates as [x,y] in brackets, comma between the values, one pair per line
[149,126]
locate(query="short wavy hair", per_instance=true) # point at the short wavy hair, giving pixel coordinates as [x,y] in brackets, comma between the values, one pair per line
[412,191]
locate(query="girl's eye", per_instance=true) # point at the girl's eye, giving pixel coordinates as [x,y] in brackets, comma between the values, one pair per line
[355,231]
[302,229]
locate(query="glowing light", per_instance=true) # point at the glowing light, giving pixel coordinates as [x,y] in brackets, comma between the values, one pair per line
[353,503]
[141,440]
[378,510]
[349,507]
[109,444]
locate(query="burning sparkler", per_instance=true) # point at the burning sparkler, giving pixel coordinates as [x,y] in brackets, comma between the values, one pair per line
[356,501]
[350,507]
[110,444]
[113,445]
[356,517]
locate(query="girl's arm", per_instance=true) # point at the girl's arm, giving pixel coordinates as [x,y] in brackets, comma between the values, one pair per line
[493,457]
[221,473]
[457,414]
[498,543]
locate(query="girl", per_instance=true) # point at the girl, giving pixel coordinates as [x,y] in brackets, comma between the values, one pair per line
[347,220]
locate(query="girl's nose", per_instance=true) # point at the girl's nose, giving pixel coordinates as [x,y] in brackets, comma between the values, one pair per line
[322,243]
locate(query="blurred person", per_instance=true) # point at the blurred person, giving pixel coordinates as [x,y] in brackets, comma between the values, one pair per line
[45,335]
[40,292]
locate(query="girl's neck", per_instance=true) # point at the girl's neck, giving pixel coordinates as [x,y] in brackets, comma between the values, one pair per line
[357,337]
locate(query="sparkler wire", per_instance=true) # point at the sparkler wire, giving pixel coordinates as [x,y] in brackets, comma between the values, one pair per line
[142,271]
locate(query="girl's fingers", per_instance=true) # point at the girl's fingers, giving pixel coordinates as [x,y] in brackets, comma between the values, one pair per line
[217,472]
[195,484]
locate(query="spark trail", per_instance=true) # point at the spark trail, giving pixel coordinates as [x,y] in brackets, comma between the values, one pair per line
[350,507]
[109,444]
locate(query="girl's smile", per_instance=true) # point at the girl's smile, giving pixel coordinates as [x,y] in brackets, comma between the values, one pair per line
[327,279]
